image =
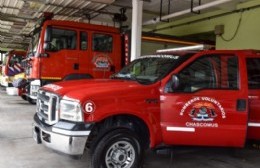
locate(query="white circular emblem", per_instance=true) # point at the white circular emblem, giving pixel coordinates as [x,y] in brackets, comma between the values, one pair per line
[90,107]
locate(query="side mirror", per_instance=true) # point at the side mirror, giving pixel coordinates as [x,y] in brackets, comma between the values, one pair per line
[175,82]
[47,35]
[47,38]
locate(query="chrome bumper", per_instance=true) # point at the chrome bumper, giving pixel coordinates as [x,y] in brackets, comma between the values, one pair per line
[63,140]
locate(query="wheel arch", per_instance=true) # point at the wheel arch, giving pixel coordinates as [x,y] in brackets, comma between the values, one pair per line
[119,121]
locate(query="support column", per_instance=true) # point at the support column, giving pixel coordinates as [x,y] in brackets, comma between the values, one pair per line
[137,15]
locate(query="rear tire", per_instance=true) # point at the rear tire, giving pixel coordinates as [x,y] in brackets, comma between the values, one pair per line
[119,148]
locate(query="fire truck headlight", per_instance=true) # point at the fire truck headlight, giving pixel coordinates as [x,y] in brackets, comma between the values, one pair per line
[70,110]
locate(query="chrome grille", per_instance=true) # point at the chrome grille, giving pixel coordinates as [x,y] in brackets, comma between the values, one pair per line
[47,107]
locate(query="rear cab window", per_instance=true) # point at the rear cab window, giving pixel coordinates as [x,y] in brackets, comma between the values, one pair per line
[102,42]
[253,73]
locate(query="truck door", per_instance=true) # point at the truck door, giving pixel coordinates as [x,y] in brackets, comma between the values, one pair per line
[63,54]
[209,105]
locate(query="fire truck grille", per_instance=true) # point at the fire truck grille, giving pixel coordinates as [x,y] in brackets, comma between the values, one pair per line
[47,107]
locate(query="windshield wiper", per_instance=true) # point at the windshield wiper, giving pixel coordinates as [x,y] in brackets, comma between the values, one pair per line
[123,76]
[143,81]
[131,77]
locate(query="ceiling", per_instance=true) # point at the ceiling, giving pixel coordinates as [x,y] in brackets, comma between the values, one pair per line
[18,17]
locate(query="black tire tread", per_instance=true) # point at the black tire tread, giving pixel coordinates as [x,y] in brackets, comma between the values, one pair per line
[114,135]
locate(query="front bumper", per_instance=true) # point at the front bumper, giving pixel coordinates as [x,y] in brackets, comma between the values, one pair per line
[64,137]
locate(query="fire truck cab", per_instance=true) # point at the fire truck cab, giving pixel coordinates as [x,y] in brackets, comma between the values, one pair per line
[66,50]
[208,98]
[12,66]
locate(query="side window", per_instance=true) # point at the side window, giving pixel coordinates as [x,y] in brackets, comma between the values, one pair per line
[209,72]
[83,41]
[232,73]
[253,72]
[63,39]
[102,43]
[198,75]
[15,59]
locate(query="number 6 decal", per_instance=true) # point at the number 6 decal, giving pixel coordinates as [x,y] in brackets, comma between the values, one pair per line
[90,107]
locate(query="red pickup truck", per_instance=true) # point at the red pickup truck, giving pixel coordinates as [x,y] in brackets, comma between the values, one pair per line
[208,98]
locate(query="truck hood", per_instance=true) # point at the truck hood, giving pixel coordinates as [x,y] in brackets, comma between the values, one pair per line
[80,89]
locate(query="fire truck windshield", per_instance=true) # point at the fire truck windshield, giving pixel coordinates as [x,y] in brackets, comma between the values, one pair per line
[15,59]
[149,69]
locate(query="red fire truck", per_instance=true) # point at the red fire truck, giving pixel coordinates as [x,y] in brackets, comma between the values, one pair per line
[65,50]
[12,66]
[182,98]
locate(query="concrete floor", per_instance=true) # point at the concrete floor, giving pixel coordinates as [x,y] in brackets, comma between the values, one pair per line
[18,150]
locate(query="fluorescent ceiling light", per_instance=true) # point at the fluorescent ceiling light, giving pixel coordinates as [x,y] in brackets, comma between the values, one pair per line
[196,47]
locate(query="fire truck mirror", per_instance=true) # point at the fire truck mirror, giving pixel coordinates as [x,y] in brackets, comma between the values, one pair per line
[47,35]
[175,82]
[47,46]
[47,38]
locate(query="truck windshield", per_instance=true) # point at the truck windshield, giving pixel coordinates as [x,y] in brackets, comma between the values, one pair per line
[149,69]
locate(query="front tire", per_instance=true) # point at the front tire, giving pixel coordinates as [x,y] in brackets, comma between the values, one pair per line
[31,101]
[24,97]
[118,149]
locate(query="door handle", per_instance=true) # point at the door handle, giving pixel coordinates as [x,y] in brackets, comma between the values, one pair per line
[241,104]
[76,66]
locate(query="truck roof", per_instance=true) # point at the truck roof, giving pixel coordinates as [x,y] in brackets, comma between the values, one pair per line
[169,54]
[245,51]
[80,25]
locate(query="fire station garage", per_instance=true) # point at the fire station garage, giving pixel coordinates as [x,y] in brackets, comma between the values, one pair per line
[129,83]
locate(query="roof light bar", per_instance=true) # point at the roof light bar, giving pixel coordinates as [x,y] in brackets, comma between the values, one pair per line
[195,47]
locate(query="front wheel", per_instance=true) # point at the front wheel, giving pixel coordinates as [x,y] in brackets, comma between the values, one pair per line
[118,149]
[31,101]
[24,97]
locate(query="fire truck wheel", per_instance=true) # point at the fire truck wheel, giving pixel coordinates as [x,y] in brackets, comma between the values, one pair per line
[119,148]
[24,97]
[31,101]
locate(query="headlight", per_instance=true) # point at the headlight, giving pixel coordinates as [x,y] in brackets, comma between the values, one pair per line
[34,88]
[35,85]
[70,110]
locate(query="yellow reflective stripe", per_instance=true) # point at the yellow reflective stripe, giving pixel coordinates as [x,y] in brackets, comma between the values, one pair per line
[20,75]
[53,78]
